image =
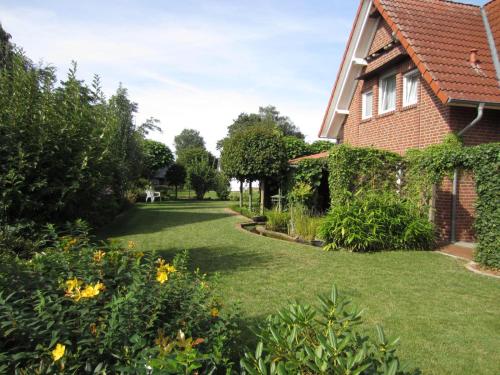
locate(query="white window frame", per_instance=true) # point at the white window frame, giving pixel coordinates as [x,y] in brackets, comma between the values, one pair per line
[364,116]
[382,78]
[413,73]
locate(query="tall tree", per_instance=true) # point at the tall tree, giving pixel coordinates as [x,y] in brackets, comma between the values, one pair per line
[176,176]
[6,47]
[254,153]
[156,156]
[188,138]
[270,114]
[200,176]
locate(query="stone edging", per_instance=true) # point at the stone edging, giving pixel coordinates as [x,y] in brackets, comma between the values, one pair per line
[471,265]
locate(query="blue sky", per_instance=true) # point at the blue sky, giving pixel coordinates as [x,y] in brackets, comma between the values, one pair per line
[195,63]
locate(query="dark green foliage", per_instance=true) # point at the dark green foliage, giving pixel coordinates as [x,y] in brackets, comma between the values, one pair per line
[188,138]
[134,322]
[484,161]
[267,116]
[193,155]
[271,115]
[222,185]
[254,153]
[176,176]
[65,151]
[430,165]
[320,146]
[354,168]
[376,221]
[303,339]
[200,176]
[5,48]
[156,155]
[427,167]
[295,147]
[310,172]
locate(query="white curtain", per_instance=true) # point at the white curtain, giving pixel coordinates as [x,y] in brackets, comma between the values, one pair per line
[388,94]
[411,89]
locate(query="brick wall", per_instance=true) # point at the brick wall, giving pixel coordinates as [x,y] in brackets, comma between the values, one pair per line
[383,36]
[418,126]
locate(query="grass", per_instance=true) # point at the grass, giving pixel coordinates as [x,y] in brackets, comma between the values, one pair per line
[447,317]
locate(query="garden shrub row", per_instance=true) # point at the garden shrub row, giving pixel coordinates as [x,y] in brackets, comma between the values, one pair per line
[81,308]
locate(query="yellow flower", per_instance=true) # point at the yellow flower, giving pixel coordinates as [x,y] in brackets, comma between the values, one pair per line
[161,276]
[92,291]
[98,256]
[170,269]
[131,245]
[58,352]
[214,312]
[72,284]
[139,254]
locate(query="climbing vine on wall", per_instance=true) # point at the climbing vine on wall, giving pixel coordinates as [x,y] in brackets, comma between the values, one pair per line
[310,172]
[352,169]
[429,166]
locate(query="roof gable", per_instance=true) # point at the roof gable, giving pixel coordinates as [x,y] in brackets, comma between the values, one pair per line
[438,35]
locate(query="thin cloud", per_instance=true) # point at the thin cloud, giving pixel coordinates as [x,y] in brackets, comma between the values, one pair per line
[193,64]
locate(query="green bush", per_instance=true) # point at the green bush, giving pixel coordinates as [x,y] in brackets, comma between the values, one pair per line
[79,308]
[65,150]
[303,339]
[302,223]
[222,186]
[277,220]
[376,221]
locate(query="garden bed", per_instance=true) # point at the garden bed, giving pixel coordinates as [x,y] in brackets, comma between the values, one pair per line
[260,229]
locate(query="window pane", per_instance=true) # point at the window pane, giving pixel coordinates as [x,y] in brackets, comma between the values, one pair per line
[410,89]
[388,94]
[367,105]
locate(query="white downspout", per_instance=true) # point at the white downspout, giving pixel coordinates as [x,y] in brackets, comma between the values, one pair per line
[454,193]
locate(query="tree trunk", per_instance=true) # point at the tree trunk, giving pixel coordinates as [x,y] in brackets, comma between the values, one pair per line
[280,204]
[241,194]
[250,196]
[175,192]
[262,196]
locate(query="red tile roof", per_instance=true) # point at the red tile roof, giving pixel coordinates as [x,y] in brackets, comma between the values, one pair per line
[321,155]
[439,36]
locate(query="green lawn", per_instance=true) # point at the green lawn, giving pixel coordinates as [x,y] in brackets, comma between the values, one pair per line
[447,317]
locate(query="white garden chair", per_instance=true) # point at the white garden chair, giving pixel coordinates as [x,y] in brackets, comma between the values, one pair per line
[152,195]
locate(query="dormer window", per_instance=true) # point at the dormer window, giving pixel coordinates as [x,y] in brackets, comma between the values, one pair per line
[387,93]
[367,105]
[410,88]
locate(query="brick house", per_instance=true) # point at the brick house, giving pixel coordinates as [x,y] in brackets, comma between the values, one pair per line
[414,71]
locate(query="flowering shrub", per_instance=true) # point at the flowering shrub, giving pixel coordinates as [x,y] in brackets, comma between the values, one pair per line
[80,308]
[302,339]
